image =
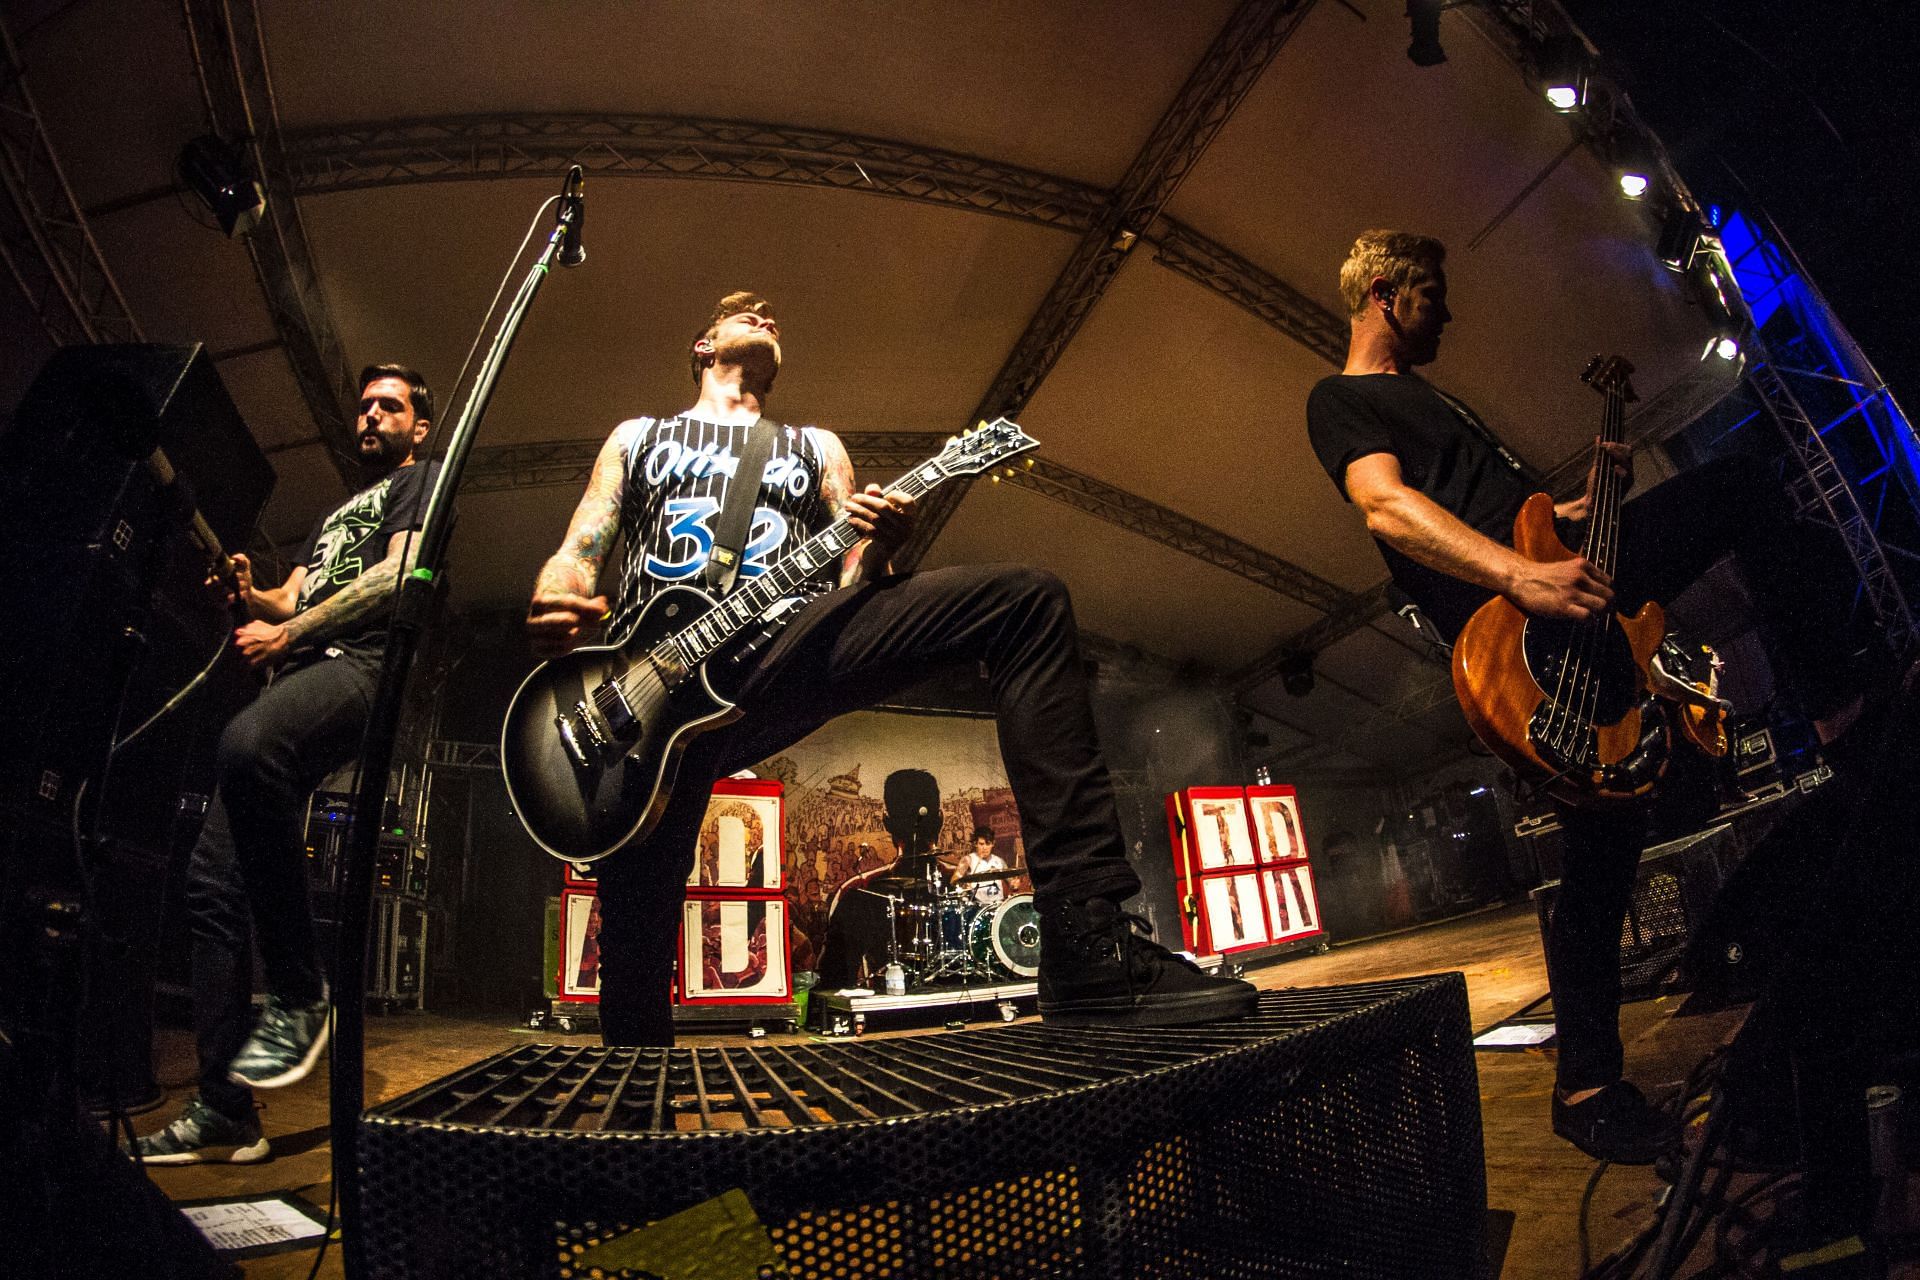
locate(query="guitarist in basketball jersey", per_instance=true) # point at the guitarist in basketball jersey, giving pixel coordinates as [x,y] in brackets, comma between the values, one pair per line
[845,641]
[1440,492]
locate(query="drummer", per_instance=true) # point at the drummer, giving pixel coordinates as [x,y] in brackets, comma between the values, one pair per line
[982,860]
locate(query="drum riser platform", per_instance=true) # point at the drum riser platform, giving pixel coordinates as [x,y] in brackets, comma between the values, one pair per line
[1338,1130]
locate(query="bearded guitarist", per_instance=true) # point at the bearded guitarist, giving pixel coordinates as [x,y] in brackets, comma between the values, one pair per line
[848,639]
[1440,492]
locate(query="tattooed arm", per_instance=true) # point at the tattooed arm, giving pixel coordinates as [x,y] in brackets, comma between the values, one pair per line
[885,518]
[267,644]
[564,603]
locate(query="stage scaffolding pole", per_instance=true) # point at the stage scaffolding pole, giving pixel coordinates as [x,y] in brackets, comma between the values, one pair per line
[412,607]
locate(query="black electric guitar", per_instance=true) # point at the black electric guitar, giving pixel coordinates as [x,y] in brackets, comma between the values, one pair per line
[592,740]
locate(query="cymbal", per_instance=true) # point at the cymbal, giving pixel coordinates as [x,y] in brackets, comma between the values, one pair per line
[980,877]
[909,885]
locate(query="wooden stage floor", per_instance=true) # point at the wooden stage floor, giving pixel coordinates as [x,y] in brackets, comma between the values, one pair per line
[1531,1175]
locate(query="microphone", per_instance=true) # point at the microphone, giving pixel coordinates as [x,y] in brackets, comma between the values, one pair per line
[573,218]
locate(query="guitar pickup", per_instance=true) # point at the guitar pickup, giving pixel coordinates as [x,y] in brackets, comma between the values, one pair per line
[616,714]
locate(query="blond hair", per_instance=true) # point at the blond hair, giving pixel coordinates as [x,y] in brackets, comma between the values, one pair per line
[1402,258]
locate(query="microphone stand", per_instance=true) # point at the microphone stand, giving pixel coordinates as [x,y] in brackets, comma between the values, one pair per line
[412,606]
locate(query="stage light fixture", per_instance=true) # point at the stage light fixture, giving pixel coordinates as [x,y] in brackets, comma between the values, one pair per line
[1727,348]
[1679,237]
[216,171]
[1565,71]
[1423,16]
[1633,164]
[1296,675]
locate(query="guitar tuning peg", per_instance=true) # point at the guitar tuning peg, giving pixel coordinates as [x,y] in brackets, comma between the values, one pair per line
[1029,464]
[981,425]
[994,478]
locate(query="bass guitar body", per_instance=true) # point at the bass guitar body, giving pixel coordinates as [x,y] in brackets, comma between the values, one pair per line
[592,739]
[1564,704]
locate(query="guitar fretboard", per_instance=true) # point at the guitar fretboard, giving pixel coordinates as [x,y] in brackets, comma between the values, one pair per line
[1602,545]
[747,604]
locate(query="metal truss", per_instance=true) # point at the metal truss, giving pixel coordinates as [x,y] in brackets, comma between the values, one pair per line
[1124,658]
[1821,492]
[44,239]
[1238,55]
[466,148]
[229,54]
[1171,529]
[1181,248]
[479,148]
[499,468]
[451,753]
[1434,691]
[1357,612]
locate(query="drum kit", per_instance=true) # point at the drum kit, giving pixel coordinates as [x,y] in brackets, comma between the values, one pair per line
[938,930]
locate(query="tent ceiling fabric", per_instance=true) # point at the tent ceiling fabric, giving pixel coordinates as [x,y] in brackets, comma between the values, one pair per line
[897,314]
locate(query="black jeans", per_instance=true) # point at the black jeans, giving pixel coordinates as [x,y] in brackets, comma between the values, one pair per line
[1802,582]
[248,873]
[848,650]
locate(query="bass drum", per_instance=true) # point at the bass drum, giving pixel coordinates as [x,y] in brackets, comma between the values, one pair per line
[1006,939]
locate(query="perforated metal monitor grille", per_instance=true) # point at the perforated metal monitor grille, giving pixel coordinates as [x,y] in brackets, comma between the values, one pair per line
[1335,1131]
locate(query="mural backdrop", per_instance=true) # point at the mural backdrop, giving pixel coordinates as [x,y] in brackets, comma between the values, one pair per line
[834,808]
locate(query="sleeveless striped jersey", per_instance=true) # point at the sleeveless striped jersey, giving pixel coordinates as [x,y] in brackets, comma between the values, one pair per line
[677,474]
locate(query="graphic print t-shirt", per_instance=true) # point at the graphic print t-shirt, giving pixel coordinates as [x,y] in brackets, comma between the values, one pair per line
[354,538]
[678,473]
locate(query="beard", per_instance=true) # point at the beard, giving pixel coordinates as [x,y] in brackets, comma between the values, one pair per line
[757,354]
[381,453]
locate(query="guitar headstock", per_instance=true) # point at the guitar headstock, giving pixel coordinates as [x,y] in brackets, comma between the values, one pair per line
[981,448]
[1607,374]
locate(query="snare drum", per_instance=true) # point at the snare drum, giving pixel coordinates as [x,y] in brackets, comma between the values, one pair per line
[1005,938]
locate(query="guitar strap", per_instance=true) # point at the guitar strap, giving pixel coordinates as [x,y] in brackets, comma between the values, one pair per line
[1492,441]
[734,524]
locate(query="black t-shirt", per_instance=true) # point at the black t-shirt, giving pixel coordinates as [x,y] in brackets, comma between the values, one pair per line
[353,539]
[1445,452]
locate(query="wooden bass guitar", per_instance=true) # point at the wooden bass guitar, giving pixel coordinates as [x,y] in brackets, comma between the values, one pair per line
[592,740]
[1566,704]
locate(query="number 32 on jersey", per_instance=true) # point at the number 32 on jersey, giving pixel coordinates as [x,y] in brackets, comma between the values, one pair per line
[687,532]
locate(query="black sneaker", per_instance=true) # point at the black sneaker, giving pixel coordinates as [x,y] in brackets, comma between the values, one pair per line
[1097,968]
[203,1136]
[285,1044]
[1617,1125]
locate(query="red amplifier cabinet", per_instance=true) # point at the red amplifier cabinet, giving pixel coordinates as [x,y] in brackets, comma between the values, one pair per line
[735,951]
[742,840]
[1240,869]
[1280,843]
[578,979]
[735,946]
[734,941]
